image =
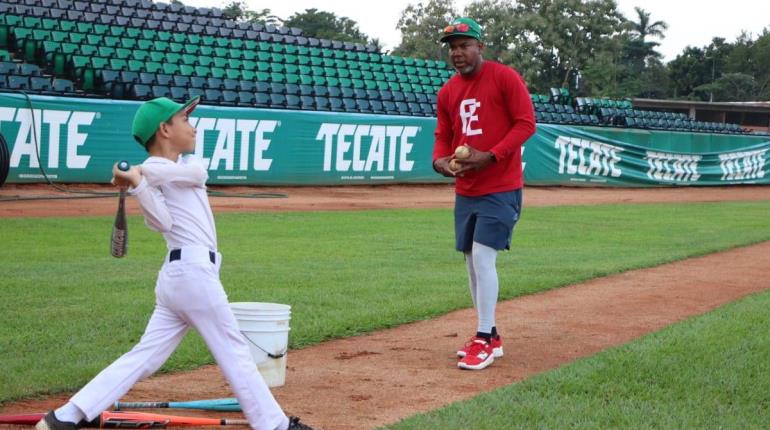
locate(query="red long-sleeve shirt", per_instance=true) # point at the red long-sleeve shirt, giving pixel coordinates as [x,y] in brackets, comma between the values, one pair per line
[490,111]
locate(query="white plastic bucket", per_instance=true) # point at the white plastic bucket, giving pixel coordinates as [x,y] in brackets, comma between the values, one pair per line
[266,329]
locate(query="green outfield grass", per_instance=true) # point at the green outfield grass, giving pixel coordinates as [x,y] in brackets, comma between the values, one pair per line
[709,372]
[68,309]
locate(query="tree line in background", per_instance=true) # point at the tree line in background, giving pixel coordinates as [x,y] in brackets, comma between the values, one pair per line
[586,46]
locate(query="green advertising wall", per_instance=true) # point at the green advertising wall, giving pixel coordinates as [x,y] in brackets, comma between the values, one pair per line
[78,140]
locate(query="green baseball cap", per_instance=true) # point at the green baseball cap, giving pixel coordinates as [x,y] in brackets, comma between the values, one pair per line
[152,113]
[462,27]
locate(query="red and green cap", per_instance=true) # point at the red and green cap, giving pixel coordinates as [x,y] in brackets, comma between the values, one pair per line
[152,113]
[462,27]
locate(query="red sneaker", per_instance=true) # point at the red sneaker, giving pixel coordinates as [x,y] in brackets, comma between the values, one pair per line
[497,346]
[479,355]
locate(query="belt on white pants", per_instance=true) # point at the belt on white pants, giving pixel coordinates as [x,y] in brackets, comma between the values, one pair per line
[192,254]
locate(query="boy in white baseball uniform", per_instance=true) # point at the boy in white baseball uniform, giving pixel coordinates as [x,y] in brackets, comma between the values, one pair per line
[171,190]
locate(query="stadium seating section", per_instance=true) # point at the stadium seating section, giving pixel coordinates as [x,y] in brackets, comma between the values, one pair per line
[139,49]
[560,108]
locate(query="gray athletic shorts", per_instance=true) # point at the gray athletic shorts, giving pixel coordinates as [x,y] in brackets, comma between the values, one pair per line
[487,219]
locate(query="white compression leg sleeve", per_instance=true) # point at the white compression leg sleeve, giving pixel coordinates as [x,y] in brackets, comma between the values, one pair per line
[487,287]
[471,278]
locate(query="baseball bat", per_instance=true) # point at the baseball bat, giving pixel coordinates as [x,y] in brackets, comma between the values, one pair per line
[229,404]
[100,422]
[24,419]
[167,420]
[119,242]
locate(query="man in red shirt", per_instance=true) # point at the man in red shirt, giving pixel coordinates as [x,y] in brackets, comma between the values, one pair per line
[486,108]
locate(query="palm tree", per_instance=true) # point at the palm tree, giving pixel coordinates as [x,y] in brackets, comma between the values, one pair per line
[644,28]
[640,31]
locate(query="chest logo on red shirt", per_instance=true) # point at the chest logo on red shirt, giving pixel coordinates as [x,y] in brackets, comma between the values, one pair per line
[468,116]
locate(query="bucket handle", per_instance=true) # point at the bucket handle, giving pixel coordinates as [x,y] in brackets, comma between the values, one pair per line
[279,355]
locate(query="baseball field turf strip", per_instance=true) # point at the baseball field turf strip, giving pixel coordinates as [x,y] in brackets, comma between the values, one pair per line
[67,308]
[709,372]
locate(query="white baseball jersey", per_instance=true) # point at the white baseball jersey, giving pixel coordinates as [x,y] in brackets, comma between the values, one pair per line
[180,189]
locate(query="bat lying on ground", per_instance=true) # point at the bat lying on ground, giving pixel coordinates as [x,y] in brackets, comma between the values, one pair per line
[229,404]
[25,419]
[133,420]
[168,420]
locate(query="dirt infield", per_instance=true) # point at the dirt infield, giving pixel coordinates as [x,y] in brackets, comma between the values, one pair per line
[359,197]
[367,381]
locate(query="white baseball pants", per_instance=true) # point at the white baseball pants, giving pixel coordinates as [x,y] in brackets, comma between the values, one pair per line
[188,294]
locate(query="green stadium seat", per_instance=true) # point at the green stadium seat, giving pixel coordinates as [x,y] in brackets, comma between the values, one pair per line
[206,50]
[245,98]
[333,92]
[322,103]
[197,82]
[212,96]
[229,98]
[118,64]
[178,93]
[375,106]
[305,90]
[292,102]
[195,92]
[276,47]
[306,79]
[231,84]
[186,69]
[101,29]
[180,81]
[177,48]
[277,77]
[307,103]
[335,104]
[99,63]
[320,90]
[261,100]
[160,91]
[349,105]
[145,45]
[218,72]
[171,68]
[153,67]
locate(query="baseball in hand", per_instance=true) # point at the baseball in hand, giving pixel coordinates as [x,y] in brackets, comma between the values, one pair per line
[462,152]
[454,165]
